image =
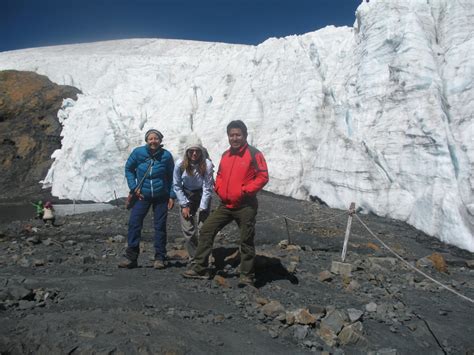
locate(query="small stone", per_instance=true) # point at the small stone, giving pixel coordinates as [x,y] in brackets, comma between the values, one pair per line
[283,244]
[290,318]
[69,243]
[302,316]
[300,332]
[325,276]
[48,242]
[219,318]
[351,334]
[438,262]
[334,320]
[221,281]
[117,239]
[386,351]
[87,334]
[371,307]
[343,269]
[295,258]
[308,343]
[261,300]
[19,293]
[281,317]
[354,314]
[273,333]
[39,262]
[33,240]
[273,308]
[353,285]
[24,262]
[292,267]
[317,311]
[470,264]
[327,335]
[424,262]
[293,247]
[373,246]
[88,259]
[178,254]
[22,304]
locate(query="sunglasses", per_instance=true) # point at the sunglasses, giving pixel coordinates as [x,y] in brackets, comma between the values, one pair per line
[192,151]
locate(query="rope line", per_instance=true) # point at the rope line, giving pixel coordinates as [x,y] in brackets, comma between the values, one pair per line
[288,218]
[316,222]
[413,267]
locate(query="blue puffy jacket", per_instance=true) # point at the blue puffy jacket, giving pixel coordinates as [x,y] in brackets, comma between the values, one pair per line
[159,181]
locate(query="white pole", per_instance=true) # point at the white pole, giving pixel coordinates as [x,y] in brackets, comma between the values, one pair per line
[348,231]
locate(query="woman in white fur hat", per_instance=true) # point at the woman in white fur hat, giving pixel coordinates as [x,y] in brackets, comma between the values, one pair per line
[193,184]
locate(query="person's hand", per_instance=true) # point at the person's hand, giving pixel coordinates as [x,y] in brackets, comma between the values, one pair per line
[170,204]
[185,211]
[139,195]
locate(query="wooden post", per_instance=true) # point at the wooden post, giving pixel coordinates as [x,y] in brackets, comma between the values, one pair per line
[348,231]
[287,231]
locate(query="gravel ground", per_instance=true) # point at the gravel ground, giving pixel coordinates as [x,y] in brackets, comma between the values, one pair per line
[61,290]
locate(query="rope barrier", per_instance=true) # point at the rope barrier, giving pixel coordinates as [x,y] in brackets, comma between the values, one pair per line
[413,267]
[288,218]
[316,222]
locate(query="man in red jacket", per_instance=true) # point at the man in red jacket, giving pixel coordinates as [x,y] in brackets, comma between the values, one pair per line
[242,173]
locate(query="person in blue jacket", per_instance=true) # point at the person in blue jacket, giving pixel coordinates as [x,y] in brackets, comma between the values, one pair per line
[156,192]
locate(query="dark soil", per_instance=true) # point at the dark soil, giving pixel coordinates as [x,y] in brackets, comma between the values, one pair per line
[61,290]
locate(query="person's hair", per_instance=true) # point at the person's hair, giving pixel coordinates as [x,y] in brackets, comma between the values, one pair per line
[201,163]
[237,124]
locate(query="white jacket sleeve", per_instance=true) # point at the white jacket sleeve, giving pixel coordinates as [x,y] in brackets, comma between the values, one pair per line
[207,186]
[178,184]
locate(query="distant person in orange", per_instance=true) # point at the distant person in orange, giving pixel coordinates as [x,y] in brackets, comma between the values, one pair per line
[242,173]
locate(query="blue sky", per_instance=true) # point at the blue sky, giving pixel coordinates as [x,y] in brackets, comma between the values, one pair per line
[34,23]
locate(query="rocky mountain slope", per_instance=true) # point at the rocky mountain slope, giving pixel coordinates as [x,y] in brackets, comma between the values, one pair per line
[29,130]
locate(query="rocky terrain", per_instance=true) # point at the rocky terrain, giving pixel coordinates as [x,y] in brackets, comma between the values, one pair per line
[61,290]
[29,130]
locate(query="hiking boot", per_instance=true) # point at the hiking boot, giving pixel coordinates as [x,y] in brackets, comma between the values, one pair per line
[246,281]
[191,274]
[159,264]
[128,264]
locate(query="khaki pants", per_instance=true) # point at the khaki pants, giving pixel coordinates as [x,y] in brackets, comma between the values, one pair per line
[191,228]
[245,217]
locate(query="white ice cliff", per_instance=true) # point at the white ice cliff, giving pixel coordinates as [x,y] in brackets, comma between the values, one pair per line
[379,114]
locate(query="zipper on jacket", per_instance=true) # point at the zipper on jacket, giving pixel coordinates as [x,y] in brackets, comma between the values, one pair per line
[151,180]
[228,180]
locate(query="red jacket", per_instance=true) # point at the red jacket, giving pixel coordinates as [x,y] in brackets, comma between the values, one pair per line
[240,176]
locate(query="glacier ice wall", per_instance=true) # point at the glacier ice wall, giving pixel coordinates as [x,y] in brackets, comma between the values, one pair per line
[379,114]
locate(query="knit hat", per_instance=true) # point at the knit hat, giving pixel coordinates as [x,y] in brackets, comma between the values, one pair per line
[195,146]
[155,131]
[204,152]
